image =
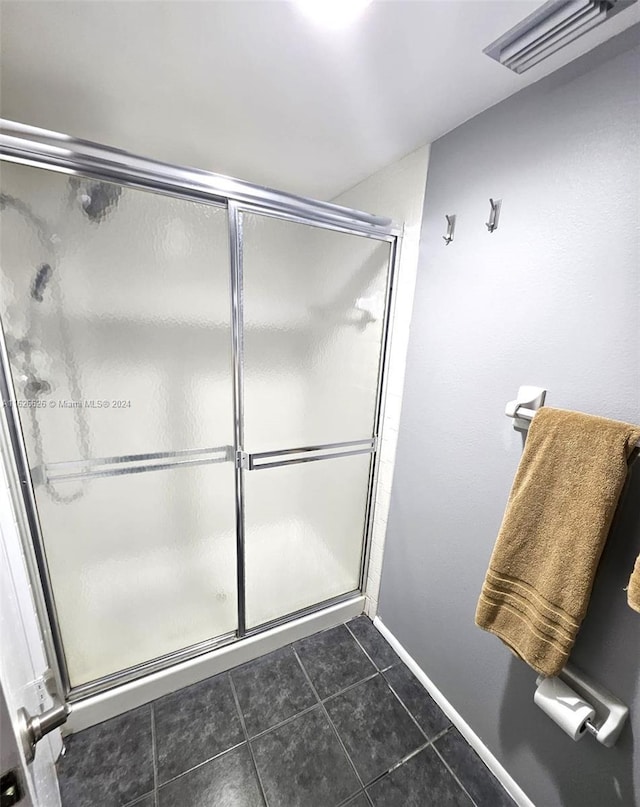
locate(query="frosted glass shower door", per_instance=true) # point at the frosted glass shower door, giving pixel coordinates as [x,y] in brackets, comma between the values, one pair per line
[116,313]
[314,304]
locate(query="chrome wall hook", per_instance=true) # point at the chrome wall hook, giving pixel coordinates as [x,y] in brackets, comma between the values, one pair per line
[494,215]
[451,225]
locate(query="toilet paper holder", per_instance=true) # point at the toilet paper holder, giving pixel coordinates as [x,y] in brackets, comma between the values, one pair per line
[611,713]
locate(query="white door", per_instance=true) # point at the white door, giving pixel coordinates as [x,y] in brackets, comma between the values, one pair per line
[11,765]
[22,666]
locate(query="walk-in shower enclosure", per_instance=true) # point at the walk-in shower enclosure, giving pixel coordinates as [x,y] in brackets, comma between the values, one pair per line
[193,376]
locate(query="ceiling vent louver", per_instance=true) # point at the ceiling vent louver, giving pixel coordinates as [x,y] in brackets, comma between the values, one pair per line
[550,28]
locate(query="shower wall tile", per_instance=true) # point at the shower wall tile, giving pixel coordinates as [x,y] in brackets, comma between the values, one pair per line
[376,554]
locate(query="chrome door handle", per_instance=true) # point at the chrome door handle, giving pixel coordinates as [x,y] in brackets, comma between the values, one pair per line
[33,729]
[275,459]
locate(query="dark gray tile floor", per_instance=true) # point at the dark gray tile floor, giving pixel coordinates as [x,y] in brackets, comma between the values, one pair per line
[335,720]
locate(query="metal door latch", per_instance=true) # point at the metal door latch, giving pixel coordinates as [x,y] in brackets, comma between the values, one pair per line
[243,460]
[33,729]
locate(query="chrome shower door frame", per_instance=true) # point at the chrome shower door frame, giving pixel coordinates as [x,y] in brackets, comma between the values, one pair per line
[53,151]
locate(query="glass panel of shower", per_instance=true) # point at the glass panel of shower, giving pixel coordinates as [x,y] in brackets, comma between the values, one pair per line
[116,312]
[314,303]
[193,370]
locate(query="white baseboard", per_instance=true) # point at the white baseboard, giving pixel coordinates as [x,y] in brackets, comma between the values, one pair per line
[96,709]
[501,774]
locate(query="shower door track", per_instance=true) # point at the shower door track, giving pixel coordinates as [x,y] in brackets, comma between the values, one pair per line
[53,151]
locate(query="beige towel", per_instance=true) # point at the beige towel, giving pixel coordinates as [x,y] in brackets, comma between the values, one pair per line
[633,594]
[560,509]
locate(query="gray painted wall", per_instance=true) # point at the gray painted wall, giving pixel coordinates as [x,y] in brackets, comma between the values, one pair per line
[553,299]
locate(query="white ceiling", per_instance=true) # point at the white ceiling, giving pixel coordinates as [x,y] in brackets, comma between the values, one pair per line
[253,89]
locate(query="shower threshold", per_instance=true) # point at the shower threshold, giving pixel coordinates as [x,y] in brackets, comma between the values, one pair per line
[93,709]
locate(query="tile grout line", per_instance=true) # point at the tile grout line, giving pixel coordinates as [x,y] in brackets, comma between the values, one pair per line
[399,764]
[427,742]
[357,641]
[440,734]
[289,720]
[455,776]
[246,736]
[326,713]
[319,702]
[463,788]
[139,799]
[409,756]
[297,714]
[381,671]
[349,800]
[316,695]
[361,646]
[307,677]
[350,687]
[153,792]
[406,708]
[368,798]
[282,723]
[200,765]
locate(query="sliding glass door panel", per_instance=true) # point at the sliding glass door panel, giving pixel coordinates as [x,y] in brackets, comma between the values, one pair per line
[117,318]
[314,304]
[141,565]
[304,531]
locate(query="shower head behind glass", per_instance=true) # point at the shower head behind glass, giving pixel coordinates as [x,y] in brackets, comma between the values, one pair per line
[96,198]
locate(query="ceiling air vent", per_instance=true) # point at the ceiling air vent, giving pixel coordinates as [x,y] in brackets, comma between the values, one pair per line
[550,28]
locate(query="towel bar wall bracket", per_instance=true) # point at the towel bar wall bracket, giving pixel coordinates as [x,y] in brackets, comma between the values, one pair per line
[525,406]
[527,403]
